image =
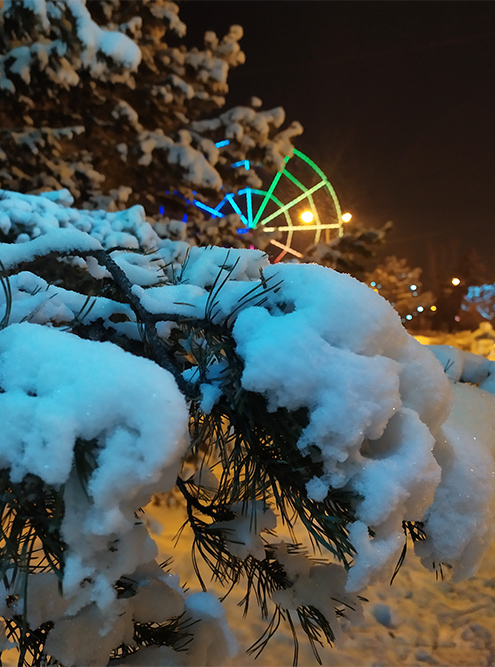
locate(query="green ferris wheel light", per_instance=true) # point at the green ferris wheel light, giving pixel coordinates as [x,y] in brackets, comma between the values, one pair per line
[272,210]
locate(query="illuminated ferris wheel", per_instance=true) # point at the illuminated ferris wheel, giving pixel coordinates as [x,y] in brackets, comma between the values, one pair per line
[299,204]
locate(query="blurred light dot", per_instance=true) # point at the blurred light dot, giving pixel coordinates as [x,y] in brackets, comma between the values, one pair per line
[307,216]
[455,281]
[408,317]
[420,309]
[373,283]
[413,287]
[346,217]
[433,308]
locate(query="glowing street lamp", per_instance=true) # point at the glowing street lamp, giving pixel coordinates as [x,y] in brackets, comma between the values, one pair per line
[307,216]
[346,217]
[456,281]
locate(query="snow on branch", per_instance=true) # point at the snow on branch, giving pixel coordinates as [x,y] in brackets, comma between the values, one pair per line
[299,383]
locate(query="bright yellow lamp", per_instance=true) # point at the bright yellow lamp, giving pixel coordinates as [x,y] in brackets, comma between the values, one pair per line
[307,216]
[346,217]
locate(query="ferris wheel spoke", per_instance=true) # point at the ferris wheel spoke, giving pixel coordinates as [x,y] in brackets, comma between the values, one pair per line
[269,193]
[311,201]
[296,182]
[286,249]
[278,209]
[209,209]
[299,228]
[293,202]
[249,202]
[236,208]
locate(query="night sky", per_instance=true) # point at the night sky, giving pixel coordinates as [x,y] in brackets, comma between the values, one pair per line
[397,100]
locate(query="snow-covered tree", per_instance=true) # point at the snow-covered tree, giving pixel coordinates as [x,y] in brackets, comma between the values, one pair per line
[351,252]
[103,98]
[464,293]
[402,287]
[301,398]
[480,299]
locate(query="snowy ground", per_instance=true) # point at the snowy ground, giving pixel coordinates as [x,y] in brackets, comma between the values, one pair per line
[423,621]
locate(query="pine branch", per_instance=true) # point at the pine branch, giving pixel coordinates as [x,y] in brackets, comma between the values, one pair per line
[175,633]
[414,529]
[30,537]
[4,280]
[160,352]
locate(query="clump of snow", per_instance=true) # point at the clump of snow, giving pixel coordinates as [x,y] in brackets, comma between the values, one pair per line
[64,241]
[95,46]
[462,366]
[214,642]
[245,128]
[196,170]
[30,216]
[35,301]
[317,585]
[205,265]
[383,614]
[328,343]
[58,389]
[459,524]
[64,389]
[95,40]
[243,533]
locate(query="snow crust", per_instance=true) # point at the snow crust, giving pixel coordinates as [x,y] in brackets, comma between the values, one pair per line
[243,533]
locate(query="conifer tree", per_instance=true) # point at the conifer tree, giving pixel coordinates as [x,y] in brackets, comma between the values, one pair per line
[401,286]
[352,252]
[104,99]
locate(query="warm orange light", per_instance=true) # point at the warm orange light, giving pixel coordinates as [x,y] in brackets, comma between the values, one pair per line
[307,216]
[433,308]
[346,217]
[456,281]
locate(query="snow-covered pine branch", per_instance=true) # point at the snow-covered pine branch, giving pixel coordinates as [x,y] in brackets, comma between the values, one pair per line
[305,395]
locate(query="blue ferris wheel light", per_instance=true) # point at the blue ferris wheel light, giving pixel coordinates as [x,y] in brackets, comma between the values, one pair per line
[242,163]
[209,209]
[271,210]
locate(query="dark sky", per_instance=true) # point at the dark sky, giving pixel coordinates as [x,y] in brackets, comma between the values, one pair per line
[397,100]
